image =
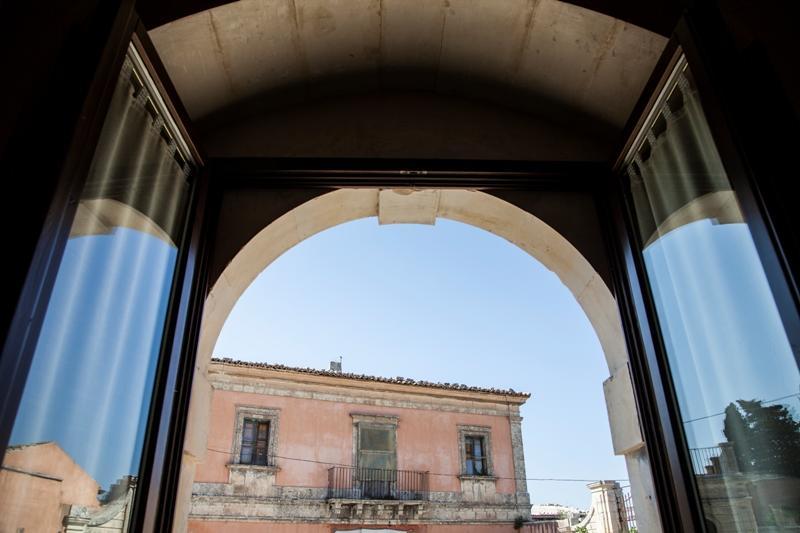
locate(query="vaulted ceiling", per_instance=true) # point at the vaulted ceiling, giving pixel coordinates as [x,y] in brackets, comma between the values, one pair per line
[530,71]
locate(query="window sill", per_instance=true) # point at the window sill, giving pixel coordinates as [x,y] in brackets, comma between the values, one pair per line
[255,468]
[477,478]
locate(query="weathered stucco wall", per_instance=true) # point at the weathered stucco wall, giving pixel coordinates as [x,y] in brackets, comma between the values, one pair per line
[33,503]
[323,431]
[37,482]
[314,418]
[77,487]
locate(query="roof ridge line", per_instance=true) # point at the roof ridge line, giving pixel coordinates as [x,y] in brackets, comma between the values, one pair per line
[364,377]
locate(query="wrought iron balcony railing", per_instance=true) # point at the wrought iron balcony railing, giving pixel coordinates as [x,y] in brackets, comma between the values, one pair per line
[705,461]
[351,483]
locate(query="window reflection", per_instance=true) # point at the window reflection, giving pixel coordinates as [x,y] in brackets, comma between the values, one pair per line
[734,371]
[78,435]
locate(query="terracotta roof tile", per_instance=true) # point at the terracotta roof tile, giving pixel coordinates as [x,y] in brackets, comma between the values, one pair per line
[379,379]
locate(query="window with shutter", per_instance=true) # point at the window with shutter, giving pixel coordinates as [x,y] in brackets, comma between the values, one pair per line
[475,458]
[475,443]
[377,447]
[255,443]
[255,436]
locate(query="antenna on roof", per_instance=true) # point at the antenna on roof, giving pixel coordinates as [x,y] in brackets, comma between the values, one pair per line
[336,366]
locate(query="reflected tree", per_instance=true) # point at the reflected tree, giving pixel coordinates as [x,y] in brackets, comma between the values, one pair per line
[765,438]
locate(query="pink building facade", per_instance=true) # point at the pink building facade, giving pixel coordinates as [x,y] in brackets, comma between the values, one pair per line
[45,490]
[316,451]
[41,482]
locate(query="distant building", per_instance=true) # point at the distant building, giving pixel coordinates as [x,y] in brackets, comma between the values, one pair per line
[744,501]
[40,481]
[296,450]
[45,490]
[553,511]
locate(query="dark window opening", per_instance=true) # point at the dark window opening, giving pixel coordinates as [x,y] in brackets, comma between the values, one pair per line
[255,443]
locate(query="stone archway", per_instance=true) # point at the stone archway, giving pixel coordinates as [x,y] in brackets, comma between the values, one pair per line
[423,206]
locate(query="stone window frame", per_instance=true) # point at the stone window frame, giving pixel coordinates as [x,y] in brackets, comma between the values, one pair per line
[261,414]
[372,420]
[475,431]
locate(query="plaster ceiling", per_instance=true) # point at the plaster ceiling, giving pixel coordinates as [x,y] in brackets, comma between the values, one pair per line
[553,59]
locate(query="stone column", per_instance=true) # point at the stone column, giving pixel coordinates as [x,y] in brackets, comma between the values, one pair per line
[607,502]
[522,497]
[728,464]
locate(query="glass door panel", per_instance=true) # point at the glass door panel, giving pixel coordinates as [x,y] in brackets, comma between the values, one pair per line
[732,364]
[77,439]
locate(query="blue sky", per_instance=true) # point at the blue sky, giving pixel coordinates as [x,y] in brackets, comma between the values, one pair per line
[447,303]
[90,382]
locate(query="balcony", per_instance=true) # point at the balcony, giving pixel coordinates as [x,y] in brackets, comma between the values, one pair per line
[366,494]
[714,460]
[347,482]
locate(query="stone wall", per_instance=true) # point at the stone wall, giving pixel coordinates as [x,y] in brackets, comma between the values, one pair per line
[286,527]
[218,502]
